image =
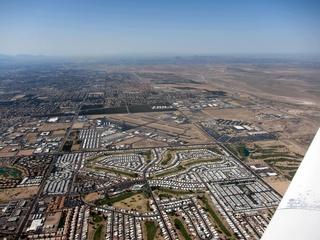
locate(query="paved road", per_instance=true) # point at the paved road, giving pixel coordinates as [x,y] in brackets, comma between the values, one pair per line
[153,198]
[35,200]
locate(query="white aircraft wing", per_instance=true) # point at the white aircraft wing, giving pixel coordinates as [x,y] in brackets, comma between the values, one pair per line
[298,214]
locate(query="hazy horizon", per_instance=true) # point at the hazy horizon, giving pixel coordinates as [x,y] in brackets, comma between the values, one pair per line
[144,28]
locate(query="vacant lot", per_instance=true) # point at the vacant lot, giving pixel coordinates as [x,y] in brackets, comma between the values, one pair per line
[17,193]
[242,114]
[58,133]
[53,126]
[145,143]
[9,151]
[31,137]
[278,183]
[53,219]
[25,152]
[137,202]
[78,125]
[91,197]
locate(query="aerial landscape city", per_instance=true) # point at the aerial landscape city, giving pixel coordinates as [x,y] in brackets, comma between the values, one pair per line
[168,150]
[154,120]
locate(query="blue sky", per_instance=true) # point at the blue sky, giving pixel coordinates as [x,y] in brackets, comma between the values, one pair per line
[206,27]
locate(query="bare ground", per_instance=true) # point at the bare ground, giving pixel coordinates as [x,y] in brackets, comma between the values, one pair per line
[279,184]
[17,193]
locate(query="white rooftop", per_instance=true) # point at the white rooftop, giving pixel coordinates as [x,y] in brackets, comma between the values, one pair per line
[53,119]
[35,224]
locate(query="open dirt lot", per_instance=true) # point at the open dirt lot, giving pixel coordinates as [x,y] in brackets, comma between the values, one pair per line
[167,128]
[242,114]
[25,152]
[78,125]
[75,147]
[53,126]
[59,133]
[17,193]
[131,140]
[279,184]
[291,127]
[137,202]
[146,143]
[131,119]
[91,197]
[53,219]
[31,137]
[8,151]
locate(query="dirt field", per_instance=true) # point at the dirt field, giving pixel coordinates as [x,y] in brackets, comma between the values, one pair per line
[78,125]
[59,133]
[31,137]
[131,140]
[17,193]
[146,143]
[167,128]
[53,126]
[75,147]
[91,197]
[196,136]
[279,184]
[7,151]
[137,202]
[294,147]
[132,119]
[53,219]
[25,152]
[242,114]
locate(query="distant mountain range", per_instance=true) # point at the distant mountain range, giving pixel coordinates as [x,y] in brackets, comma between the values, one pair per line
[23,57]
[195,59]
